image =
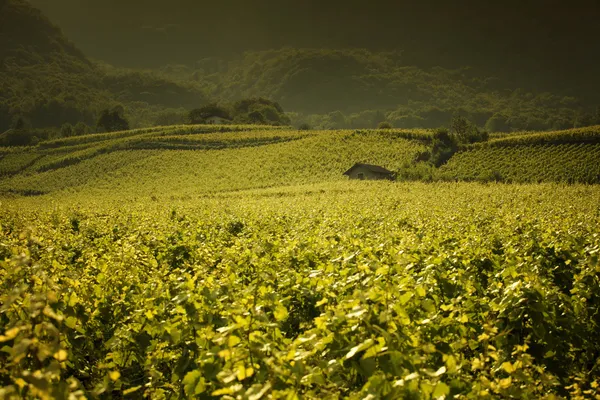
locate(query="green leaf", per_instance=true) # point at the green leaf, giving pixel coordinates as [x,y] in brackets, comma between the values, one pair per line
[193,383]
[508,367]
[233,340]
[71,322]
[437,373]
[131,390]
[261,393]
[280,313]
[363,346]
[441,391]
[9,335]
[114,375]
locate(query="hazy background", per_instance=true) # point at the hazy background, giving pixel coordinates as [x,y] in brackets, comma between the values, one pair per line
[498,34]
[505,65]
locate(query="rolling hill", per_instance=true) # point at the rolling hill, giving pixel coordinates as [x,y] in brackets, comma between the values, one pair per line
[48,81]
[358,88]
[202,159]
[564,156]
[215,260]
[237,261]
[189,159]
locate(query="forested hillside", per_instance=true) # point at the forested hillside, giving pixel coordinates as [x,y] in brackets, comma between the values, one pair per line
[360,88]
[46,81]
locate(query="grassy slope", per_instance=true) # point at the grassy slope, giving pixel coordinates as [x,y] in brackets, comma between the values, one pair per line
[138,163]
[196,160]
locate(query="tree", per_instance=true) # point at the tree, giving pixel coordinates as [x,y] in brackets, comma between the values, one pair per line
[497,123]
[5,117]
[400,120]
[583,119]
[200,115]
[19,123]
[335,120]
[272,116]
[81,129]
[256,117]
[248,105]
[384,125]
[67,130]
[466,132]
[258,110]
[443,147]
[113,120]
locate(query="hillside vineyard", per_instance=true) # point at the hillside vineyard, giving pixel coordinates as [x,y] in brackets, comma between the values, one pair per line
[238,262]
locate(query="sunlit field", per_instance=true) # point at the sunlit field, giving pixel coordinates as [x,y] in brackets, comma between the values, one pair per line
[178,263]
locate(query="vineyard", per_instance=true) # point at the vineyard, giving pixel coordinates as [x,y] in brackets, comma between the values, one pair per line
[590,135]
[197,163]
[323,291]
[568,163]
[241,264]
[569,156]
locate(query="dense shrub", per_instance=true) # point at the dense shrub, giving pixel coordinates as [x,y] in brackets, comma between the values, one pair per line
[112,120]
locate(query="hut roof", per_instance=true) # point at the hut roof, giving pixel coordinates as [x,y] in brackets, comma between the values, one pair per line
[372,168]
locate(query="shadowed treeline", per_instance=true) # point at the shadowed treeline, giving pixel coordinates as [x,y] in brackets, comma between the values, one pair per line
[47,82]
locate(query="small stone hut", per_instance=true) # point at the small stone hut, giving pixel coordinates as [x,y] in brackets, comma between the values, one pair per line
[369,172]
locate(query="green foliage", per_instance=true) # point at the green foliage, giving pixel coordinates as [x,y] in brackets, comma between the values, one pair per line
[44,78]
[384,125]
[150,88]
[569,163]
[400,120]
[590,135]
[443,147]
[497,123]
[258,270]
[259,111]
[367,88]
[202,114]
[12,163]
[167,118]
[25,137]
[465,132]
[446,142]
[289,156]
[249,157]
[81,129]
[67,130]
[20,123]
[419,170]
[112,120]
[344,290]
